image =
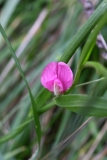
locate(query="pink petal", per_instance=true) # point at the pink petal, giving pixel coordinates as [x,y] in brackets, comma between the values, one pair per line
[49,74]
[65,75]
[58,87]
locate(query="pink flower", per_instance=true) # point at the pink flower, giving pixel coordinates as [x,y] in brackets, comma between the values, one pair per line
[57,77]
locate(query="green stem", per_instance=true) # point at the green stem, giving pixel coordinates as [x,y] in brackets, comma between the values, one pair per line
[94,81]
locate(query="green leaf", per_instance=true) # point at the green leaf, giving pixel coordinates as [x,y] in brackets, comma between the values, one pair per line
[83,104]
[91,41]
[35,114]
[84,31]
[88,49]
[98,67]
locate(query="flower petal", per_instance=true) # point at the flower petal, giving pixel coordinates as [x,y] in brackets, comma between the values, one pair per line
[49,74]
[58,87]
[65,75]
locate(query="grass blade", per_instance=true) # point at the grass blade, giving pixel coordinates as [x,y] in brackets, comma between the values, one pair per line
[35,114]
[88,49]
[98,67]
[84,31]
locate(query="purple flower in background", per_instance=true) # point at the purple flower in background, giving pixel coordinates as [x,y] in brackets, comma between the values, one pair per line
[57,77]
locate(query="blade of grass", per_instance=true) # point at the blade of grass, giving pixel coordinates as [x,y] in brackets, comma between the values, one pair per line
[25,42]
[14,152]
[84,31]
[98,67]
[61,129]
[52,154]
[87,49]
[96,142]
[35,114]
[6,12]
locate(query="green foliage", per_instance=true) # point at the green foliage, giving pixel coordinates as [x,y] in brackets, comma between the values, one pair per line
[98,67]
[84,31]
[61,36]
[35,114]
[83,104]
[15,132]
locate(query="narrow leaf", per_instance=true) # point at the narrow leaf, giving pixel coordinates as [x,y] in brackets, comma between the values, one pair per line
[88,49]
[84,31]
[83,104]
[91,41]
[35,114]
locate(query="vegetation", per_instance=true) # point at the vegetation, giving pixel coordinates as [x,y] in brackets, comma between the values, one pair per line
[35,124]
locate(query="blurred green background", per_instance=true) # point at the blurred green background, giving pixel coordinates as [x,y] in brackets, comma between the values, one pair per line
[39,32]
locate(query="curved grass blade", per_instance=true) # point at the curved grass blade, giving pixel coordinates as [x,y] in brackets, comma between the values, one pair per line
[83,104]
[35,114]
[98,67]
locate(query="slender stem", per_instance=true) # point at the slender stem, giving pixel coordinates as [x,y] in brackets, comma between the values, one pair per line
[94,81]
